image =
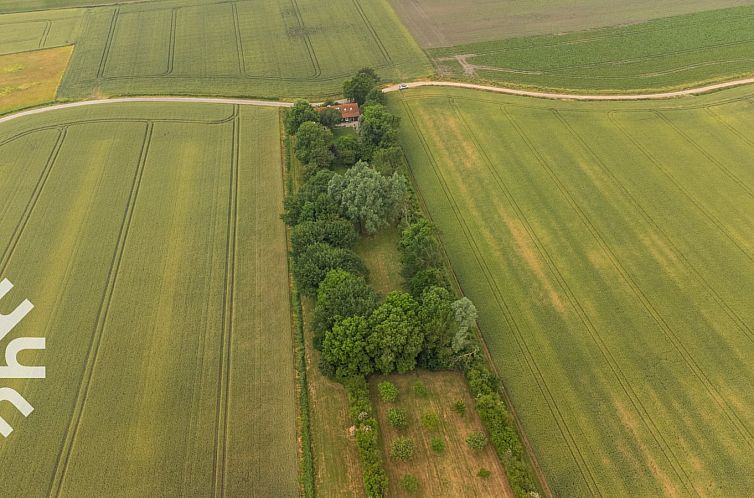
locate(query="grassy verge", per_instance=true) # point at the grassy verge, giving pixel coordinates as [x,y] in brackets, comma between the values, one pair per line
[30,79]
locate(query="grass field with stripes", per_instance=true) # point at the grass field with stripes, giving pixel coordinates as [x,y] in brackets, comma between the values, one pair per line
[148,237]
[608,248]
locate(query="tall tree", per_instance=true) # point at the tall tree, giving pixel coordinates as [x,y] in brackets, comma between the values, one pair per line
[437,319]
[367,198]
[314,145]
[378,128]
[358,87]
[315,261]
[341,294]
[396,337]
[330,117]
[300,113]
[419,248]
[344,347]
[337,232]
[465,314]
[312,201]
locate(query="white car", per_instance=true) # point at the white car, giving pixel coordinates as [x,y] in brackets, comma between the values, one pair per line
[402,86]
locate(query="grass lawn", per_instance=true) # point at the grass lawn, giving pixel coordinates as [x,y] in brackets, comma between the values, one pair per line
[454,471]
[271,48]
[148,238]
[669,53]
[31,78]
[382,259]
[608,249]
[444,23]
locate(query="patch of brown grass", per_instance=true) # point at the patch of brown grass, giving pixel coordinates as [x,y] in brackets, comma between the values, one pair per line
[31,78]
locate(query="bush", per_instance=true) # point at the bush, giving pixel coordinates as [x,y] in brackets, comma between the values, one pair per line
[311,267]
[409,483]
[336,232]
[388,391]
[431,422]
[477,441]
[420,390]
[438,445]
[459,407]
[424,279]
[398,418]
[402,449]
[484,473]
[341,295]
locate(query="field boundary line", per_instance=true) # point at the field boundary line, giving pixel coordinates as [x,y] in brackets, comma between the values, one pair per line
[108,44]
[534,369]
[640,295]
[45,33]
[171,42]
[373,32]
[682,258]
[32,203]
[66,447]
[584,318]
[307,40]
[226,338]
[239,40]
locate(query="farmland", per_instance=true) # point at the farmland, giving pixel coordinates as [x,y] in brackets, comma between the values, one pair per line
[608,249]
[452,472]
[444,23]
[669,53]
[31,78]
[148,238]
[274,48]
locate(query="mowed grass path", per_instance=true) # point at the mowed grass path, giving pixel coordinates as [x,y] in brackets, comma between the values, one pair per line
[608,249]
[669,53]
[148,238]
[269,48]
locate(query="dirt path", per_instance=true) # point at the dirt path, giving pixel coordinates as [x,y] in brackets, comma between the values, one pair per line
[391,88]
[566,96]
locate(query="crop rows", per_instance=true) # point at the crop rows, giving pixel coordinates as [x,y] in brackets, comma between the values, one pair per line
[137,229]
[607,247]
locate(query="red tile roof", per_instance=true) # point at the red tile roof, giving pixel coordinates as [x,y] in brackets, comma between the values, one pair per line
[348,110]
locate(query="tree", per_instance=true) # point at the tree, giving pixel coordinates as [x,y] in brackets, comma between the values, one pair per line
[465,314]
[375,96]
[402,449]
[431,277]
[360,85]
[341,294]
[315,261]
[437,319]
[477,441]
[314,144]
[312,201]
[419,248]
[378,128]
[387,160]
[388,391]
[330,117]
[396,334]
[398,418]
[347,150]
[367,198]
[300,113]
[344,347]
[336,232]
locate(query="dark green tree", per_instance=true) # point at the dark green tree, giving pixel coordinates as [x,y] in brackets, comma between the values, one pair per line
[358,87]
[436,316]
[312,201]
[347,150]
[330,117]
[375,96]
[396,334]
[378,128]
[387,160]
[419,248]
[315,261]
[424,279]
[345,348]
[314,145]
[341,294]
[336,232]
[300,113]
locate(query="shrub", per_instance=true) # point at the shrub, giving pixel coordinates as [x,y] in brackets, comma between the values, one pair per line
[402,449]
[420,390]
[459,407]
[388,391]
[476,441]
[484,473]
[311,267]
[341,295]
[437,445]
[431,422]
[337,232]
[398,418]
[409,483]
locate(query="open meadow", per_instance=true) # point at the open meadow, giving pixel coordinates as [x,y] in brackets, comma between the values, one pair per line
[148,238]
[273,48]
[31,78]
[608,248]
[662,54]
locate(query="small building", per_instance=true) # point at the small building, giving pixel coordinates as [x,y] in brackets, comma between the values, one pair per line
[349,111]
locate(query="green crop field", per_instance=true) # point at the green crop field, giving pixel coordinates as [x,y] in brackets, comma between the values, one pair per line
[444,23]
[667,53]
[273,48]
[10,6]
[148,238]
[608,249]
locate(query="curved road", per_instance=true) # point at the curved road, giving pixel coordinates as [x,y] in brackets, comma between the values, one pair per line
[394,88]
